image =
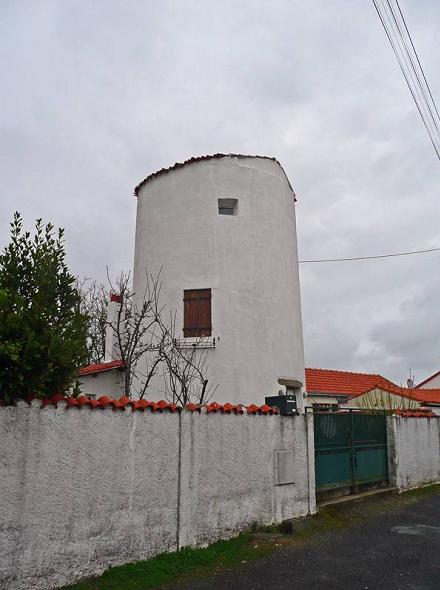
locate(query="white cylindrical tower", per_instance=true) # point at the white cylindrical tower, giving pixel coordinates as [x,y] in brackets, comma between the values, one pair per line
[223,230]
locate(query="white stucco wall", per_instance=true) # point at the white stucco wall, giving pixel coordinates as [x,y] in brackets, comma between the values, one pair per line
[83,489]
[415,450]
[105,383]
[249,261]
[226,487]
[433,383]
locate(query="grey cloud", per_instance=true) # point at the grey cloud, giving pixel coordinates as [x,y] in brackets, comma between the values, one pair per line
[94,99]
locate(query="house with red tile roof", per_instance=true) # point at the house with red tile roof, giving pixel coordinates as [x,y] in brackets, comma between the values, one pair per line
[395,397]
[105,378]
[102,379]
[329,388]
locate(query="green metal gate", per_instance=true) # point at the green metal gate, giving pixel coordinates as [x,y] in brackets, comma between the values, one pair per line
[350,449]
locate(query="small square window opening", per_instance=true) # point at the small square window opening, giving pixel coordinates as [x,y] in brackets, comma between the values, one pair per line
[227,206]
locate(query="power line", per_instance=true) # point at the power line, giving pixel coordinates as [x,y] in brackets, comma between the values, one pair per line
[412,66]
[393,255]
[417,57]
[399,37]
[407,74]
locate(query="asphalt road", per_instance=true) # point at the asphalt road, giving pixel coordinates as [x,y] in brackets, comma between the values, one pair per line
[395,550]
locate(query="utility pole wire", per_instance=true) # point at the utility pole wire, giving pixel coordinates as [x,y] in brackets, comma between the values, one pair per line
[393,255]
[412,66]
[408,67]
[417,57]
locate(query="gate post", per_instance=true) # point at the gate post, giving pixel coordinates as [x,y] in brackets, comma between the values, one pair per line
[353,466]
[391,450]
[310,442]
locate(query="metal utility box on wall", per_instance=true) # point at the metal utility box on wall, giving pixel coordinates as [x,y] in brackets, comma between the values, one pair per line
[285,403]
[284,467]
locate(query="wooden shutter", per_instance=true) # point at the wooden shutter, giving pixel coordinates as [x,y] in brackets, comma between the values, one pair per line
[197,313]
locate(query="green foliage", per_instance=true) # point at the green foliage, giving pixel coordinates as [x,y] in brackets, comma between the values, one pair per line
[42,330]
[175,566]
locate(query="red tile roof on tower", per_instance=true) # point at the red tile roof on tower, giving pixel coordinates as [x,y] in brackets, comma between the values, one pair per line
[344,383]
[200,159]
[101,367]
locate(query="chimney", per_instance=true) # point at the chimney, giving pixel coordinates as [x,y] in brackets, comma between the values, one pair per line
[111,338]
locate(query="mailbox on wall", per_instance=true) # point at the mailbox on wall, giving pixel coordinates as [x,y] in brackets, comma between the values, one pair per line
[286,404]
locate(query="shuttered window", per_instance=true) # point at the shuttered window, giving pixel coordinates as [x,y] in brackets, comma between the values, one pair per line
[197,313]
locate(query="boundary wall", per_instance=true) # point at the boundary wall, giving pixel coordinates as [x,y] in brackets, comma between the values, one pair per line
[89,486]
[414,451]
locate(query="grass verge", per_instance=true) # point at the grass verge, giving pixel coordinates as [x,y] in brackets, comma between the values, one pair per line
[172,566]
[195,563]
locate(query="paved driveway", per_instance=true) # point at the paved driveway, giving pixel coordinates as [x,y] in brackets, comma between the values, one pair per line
[397,549]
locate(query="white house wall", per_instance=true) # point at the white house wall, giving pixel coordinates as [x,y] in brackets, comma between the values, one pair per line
[433,383]
[249,261]
[316,399]
[104,383]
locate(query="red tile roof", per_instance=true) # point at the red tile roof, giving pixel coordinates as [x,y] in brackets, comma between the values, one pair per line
[427,380]
[161,406]
[200,159]
[342,383]
[100,367]
[419,395]
[425,395]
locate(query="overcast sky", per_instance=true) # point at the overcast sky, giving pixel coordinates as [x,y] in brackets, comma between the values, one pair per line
[95,95]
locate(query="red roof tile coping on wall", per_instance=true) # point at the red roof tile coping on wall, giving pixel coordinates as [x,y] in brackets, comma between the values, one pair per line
[193,407]
[224,408]
[264,409]
[100,368]
[420,413]
[200,159]
[161,406]
[343,383]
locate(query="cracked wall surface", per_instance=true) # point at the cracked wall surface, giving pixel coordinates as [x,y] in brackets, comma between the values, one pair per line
[84,489]
[416,444]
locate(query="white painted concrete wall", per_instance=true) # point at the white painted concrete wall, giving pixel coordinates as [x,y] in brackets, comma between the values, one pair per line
[249,260]
[83,489]
[434,383]
[105,383]
[415,451]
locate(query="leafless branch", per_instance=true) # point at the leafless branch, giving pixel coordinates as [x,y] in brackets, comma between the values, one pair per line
[147,341]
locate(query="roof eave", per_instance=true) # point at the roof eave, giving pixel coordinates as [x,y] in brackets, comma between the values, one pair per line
[195,159]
